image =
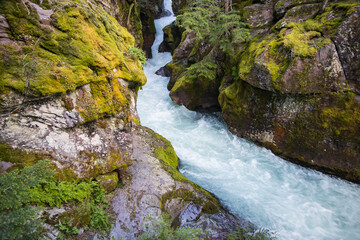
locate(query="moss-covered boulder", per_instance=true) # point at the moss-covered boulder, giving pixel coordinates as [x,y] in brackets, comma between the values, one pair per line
[108,181]
[164,191]
[292,87]
[68,86]
[292,94]
[172,38]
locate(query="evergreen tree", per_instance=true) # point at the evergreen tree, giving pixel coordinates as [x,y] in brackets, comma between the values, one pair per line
[207,20]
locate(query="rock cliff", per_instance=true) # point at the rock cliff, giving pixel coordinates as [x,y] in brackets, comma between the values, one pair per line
[68,90]
[292,87]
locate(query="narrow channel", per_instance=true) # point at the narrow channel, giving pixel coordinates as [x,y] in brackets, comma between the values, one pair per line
[294,202]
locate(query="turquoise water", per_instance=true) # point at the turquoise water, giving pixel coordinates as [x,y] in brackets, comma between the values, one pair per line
[294,202]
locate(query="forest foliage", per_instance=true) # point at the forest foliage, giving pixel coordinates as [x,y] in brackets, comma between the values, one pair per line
[209,21]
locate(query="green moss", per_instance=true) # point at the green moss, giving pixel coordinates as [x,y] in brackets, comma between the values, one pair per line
[209,206]
[166,153]
[312,25]
[330,131]
[298,41]
[20,157]
[82,46]
[108,181]
[333,16]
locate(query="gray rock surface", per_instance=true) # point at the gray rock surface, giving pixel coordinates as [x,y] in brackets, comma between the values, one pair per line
[145,197]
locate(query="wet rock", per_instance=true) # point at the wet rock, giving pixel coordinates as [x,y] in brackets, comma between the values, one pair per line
[184,49]
[282,6]
[164,72]
[348,47]
[150,195]
[149,11]
[298,14]
[172,38]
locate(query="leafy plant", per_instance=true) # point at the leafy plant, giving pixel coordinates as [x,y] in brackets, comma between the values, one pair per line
[99,219]
[161,229]
[18,220]
[138,53]
[67,229]
[54,193]
[206,68]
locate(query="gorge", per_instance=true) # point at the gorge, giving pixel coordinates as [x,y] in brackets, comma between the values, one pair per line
[294,202]
[75,90]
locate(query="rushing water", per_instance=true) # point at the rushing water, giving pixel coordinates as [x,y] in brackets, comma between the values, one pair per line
[295,202]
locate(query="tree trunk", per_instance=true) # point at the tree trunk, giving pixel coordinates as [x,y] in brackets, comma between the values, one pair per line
[226,6]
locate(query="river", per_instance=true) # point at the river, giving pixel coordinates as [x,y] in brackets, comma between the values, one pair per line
[294,202]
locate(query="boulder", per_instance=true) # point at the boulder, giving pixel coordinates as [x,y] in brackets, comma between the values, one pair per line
[145,197]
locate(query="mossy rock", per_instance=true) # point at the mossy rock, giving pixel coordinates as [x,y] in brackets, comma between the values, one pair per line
[108,181]
[326,125]
[79,46]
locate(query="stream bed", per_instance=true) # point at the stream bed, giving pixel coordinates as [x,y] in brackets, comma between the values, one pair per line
[254,184]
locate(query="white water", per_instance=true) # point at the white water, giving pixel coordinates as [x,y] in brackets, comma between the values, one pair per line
[254,184]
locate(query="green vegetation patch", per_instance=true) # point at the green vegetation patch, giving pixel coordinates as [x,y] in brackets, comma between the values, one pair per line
[36,185]
[162,229]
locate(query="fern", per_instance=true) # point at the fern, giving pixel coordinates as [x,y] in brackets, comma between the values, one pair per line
[55,193]
[205,68]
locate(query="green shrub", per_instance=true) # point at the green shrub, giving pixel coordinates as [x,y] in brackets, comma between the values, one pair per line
[36,185]
[18,220]
[138,53]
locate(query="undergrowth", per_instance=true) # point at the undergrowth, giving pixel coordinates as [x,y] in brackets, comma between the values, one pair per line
[25,192]
[161,229]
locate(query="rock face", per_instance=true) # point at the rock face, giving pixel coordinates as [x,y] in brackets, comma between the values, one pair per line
[68,90]
[172,38]
[145,196]
[293,87]
[348,47]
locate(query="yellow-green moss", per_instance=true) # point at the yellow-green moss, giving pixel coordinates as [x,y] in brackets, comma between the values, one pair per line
[20,156]
[108,181]
[209,206]
[82,46]
[298,41]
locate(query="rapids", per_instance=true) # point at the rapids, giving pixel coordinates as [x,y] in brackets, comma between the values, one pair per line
[253,183]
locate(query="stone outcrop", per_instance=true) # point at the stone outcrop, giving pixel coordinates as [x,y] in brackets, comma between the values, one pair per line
[172,38]
[145,196]
[293,86]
